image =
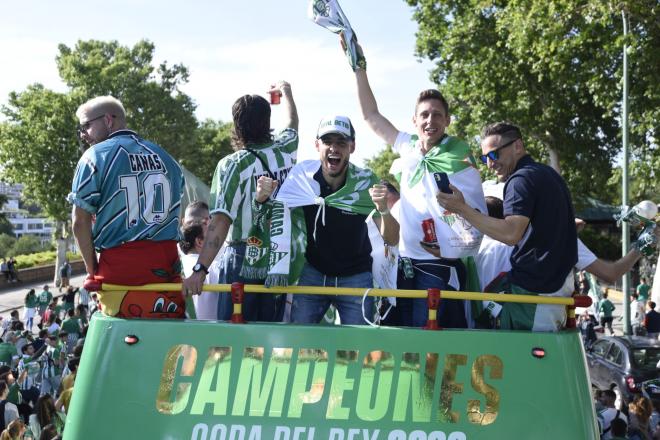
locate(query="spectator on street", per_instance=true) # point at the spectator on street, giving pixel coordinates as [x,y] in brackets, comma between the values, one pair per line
[643,290]
[53,361]
[14,431]
[44,416]
[13,274]
[69,299]
[619,430]
[637,315]
[652,321]
[65,274]
[11,412]
[4,268]
[605,308]
[31,304]
[45,298]
[639,412]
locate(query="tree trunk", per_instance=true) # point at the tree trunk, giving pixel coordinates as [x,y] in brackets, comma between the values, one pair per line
[62,242]
[554,159]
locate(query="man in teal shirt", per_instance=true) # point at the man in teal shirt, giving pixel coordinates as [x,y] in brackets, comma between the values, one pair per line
[605,307]
[643,291]
[8,349]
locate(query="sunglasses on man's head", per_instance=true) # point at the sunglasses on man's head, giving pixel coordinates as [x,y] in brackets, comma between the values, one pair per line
[494,155]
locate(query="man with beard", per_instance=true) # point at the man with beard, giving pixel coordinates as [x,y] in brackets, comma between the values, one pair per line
[336,197]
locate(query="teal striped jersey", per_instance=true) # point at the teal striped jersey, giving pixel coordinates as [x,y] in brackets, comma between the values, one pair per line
[132,186]
[235,179]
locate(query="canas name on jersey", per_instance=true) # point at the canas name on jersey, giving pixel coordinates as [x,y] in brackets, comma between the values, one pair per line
[145,162]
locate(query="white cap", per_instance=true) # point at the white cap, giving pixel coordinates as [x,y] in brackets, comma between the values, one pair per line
[336,125]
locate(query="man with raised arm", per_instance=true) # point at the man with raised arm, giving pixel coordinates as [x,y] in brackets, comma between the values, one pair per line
[126,194]
[258,153]
[427,155]
[538,221]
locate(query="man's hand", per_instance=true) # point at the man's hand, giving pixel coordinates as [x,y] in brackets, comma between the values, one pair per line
[378,195]
[454,202]
[193,284]
[265,187]
[431,249]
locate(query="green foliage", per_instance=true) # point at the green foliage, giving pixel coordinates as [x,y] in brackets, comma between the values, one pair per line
[554,67]
[41,259]
[38,145]
[214,143]
[602,242]
[5,225]
[7,242]
[155,107]
[381,163]
[27,244]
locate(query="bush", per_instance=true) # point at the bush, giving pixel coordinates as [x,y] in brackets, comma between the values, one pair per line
[41,259]
[7,242]
[27,244]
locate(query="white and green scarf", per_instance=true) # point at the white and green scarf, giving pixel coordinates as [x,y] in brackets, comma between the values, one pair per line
[287,233]
[456,237]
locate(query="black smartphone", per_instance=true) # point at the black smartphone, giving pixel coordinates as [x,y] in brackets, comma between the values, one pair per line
[442,181]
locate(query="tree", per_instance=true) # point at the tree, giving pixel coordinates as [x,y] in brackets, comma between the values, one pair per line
[155,107]
[6,244]
[38,146]
[381,163]
[214,143]
[5,225]
[554,68]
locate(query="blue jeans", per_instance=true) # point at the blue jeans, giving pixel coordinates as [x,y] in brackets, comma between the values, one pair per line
[256,306]
[431,274]
[309,309]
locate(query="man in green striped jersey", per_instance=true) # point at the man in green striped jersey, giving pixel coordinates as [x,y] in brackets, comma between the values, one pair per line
[258,153]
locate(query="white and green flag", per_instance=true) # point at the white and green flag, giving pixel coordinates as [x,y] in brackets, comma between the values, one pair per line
[328,14]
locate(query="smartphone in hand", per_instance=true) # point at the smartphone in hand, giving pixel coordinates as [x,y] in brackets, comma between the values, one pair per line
[442,181]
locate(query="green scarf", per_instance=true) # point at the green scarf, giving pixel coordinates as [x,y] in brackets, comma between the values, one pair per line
[282,252]
[450,156]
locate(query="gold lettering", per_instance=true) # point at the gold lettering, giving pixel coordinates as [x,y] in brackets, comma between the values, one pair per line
[217,370]
[250,380]
[166,403]
[479,385]
[449,387]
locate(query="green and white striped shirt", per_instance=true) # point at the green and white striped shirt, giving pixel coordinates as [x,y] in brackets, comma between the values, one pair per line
[235,179]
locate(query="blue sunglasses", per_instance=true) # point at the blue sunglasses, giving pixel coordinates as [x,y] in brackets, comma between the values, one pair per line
[493,155]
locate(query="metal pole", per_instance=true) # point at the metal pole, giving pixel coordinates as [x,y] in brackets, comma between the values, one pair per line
[625,230]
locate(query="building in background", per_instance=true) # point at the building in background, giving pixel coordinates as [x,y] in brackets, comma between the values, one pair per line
[21,220]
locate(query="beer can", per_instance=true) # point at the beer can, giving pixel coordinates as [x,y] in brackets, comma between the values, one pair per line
[275,96]
[428,226]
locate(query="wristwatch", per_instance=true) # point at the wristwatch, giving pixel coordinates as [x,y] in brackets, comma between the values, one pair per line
[199,267]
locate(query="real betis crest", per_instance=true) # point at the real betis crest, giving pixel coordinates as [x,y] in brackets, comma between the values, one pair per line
[254,250]
[321,8]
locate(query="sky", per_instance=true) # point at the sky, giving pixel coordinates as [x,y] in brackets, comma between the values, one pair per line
[232,48]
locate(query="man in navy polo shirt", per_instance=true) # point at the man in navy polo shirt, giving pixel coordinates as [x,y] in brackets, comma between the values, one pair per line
[538,221]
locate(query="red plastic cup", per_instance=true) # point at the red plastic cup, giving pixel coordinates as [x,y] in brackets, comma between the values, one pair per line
[275,97]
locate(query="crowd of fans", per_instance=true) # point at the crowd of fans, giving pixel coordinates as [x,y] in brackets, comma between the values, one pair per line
[639,422]
[39,357]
